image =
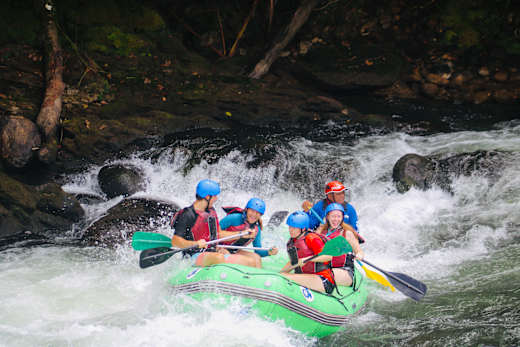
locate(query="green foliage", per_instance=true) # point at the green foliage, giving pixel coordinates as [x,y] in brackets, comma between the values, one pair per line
[474,23]
[112,39]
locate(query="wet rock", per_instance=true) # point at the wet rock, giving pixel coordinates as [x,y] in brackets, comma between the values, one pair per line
[89,199]
[504,95]
[461,78]
[36,210]
[501,76]
[53,200]
[483,71]
[481,97]
[439,74]
[19,138]
[130,215]
[116,180]
[430,89]
[413,170]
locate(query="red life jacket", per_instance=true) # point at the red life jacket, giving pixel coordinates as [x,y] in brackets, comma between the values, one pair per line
[200,228]
[302,251]
[241,227]
[341,260]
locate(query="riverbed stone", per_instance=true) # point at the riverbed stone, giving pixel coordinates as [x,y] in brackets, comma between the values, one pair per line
[130,215]
[124,180]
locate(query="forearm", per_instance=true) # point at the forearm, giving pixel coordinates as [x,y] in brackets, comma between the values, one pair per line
[180,242]
[354,243]
[320,259]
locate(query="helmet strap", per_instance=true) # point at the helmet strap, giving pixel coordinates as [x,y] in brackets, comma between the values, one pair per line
[207,200]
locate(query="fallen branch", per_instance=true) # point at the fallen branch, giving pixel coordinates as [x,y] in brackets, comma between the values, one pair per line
[300,17]
[50,110]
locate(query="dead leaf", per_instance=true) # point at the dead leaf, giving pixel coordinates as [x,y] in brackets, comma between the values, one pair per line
[369,62]
[147,80]
[87,123]
[103,127]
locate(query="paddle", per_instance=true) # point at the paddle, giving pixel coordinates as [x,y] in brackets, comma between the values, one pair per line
[277,218]
[155,256]
[405,284]
[370,274]
[245,247]
[142,240]
[335,247]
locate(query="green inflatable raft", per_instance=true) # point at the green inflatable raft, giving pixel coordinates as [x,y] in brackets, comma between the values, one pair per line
[273,296]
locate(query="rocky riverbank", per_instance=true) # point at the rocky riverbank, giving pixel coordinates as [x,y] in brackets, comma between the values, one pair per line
[144,77]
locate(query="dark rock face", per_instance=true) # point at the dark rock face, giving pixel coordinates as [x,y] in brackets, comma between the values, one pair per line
[413,170]
[116,180]
[127,217]
[30,212]
[19,137]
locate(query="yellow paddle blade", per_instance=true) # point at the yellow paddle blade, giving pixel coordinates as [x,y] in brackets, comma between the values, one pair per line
[376,276]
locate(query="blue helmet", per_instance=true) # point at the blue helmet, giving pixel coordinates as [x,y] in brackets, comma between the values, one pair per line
[207,187]
[256,204]
[298,219]
[334,207]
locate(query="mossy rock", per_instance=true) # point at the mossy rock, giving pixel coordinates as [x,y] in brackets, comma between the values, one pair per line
[112,39]
[14,193]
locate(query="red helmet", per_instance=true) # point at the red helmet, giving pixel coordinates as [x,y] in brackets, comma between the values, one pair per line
[334,187]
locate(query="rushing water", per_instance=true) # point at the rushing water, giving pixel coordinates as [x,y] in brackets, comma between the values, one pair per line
[465,246]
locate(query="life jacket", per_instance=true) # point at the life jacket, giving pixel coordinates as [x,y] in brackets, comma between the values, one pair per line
[241,227]
[344,259]
[205,224]
[298,249]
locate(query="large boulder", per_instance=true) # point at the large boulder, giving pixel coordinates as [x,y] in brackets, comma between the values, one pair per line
[28,212]
[413,170]
[130,215]
[19,138]
[116,180]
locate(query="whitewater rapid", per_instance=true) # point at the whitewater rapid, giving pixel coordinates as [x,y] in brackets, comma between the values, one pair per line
[454,242]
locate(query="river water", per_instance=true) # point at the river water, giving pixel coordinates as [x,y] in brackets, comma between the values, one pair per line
[465,246]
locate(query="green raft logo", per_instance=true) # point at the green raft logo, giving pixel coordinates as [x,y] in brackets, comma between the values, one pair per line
[307,294]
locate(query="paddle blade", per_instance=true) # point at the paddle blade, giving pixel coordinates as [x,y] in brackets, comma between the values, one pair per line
[337,246]
[154,256]
[277,218]
[376,276]
[142,241]
[405,284]
[408,285]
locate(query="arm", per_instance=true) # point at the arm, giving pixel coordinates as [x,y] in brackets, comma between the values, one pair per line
[233,219]
[181,226]
[352,216]
[257,242]
[353,241]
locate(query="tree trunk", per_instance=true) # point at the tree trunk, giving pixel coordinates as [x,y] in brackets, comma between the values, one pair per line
[50,110]
[300,17]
